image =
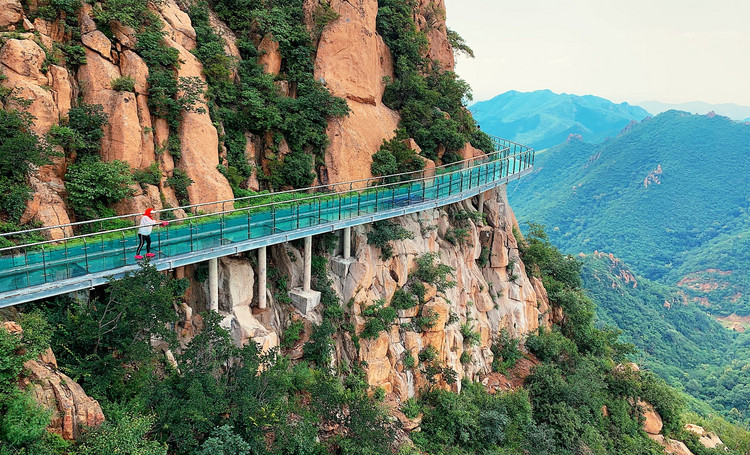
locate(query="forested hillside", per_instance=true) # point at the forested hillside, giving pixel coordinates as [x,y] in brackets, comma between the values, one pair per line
[666,197]
[543,119]
[675,337]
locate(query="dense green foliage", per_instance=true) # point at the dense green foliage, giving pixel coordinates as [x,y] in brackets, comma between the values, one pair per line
[20,150]
[94,185]
[254,103]
[560,410]
[383,233]
[543,119]
[680,342]
[686,222]
[395,157]
[222,399]
[430,100]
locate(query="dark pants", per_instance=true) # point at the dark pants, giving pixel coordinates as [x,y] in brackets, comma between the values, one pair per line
[141,240]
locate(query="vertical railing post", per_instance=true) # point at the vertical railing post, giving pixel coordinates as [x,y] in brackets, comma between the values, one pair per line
[359,201]
[190,226]
[85,255]
[221,228]
[273,220]
[339,207]
[44,263]
[248,225]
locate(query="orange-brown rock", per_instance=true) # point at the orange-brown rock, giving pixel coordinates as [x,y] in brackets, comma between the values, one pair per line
[47,207]
[671,446]
[72,410]
[270,58]
[431,20]
[98,42]
[708,439]
[62,91]
[652,420]
[25,58]
[10,12]
[178,25]
[200,145]
[132,65]
[352,61]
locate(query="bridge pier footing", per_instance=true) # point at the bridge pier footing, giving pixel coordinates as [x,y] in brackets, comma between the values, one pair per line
[213,284]
[262,273]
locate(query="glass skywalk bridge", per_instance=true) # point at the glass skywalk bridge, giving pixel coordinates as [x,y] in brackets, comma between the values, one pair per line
[38,270]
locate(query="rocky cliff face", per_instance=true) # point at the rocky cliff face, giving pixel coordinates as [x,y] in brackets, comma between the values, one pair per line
[492,295]
[351,60]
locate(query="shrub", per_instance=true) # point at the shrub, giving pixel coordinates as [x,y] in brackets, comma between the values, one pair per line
[93,185]
[123,84]
[127,435]
[179,182]
[295,170]
[409,360]
[395,157]
[435,274]
[383,233]
[20,150]
[87,120]
[292,334]
[411,408]
[472,337]
[378,319]
[149,176]
[506,352]
[402,300]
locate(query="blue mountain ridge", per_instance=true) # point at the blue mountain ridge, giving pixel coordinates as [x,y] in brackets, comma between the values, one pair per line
[543,118]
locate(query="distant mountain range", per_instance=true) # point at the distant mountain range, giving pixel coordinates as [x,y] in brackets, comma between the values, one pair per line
[543,118]
[669,196]
[733,111]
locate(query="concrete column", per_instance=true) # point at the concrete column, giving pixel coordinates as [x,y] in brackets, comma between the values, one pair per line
[480,206]
[213,284]
[347,242]
[262,278]
[308,264]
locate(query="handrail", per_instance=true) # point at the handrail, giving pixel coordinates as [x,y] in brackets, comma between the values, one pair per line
[482,159]
[247,198]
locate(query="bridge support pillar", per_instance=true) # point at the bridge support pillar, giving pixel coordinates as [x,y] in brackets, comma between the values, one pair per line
[305,299]
[347,242]
[213,284]
[308,264]
[480,205]
[262,271]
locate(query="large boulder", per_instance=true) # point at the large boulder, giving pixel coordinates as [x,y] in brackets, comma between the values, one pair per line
[10,12]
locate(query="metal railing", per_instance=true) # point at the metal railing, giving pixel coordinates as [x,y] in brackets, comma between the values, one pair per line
[42,262]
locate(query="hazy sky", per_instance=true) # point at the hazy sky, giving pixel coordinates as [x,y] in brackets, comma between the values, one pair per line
[637,50]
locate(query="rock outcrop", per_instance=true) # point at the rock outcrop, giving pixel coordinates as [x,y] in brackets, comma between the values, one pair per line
[72,411]
[492,294]
[352,60]
[132,134]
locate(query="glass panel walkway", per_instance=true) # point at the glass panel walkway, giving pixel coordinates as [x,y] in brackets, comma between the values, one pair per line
[42,269]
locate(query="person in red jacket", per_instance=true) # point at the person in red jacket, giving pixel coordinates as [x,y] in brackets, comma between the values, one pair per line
[144,233]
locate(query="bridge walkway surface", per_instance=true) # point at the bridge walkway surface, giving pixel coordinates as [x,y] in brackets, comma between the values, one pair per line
[32,271]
